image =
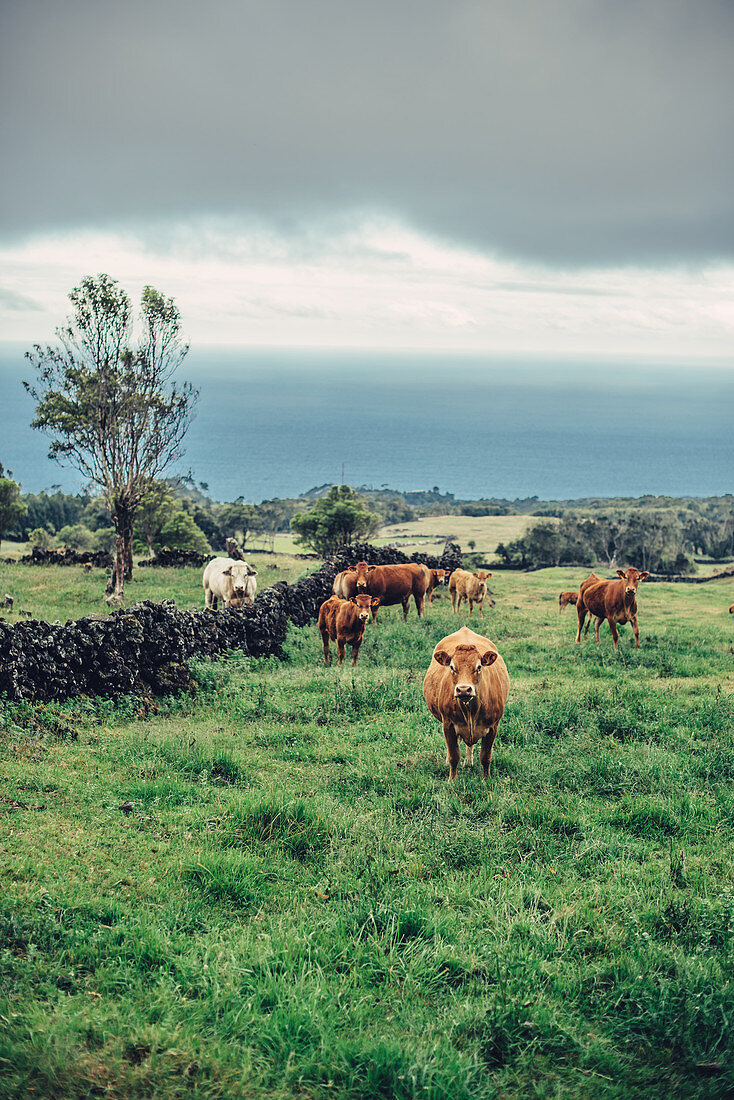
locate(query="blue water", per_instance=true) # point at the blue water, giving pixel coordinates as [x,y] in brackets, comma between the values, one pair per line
[276,423]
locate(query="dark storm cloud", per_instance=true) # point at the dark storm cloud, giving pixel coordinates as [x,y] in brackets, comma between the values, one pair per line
[589,131]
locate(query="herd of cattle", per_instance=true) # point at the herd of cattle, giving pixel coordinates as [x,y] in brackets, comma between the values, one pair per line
[467,683]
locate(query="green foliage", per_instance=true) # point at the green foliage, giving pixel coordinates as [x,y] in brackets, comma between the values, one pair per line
[335,520]
[39,536]
[650,540]
[110,407]
[12,508]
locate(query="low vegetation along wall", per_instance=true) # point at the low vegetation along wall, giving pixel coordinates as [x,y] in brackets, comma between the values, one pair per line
[147,645]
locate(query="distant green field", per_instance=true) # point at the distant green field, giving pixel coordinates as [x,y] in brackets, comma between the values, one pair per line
[297,904]
[429,533]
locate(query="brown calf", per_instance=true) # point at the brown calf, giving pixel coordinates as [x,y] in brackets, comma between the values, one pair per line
[565,599]
[615,601]
[344,622]
[435,578]
[466,688]
[471,587]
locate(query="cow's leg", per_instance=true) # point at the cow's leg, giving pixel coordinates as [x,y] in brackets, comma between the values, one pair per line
[340,650]
[615,635]
[636,629]
[581,611]
[588,624]
[452,749]
[325,640]
[479,608]
[453,598]
[419,605]
[597,626]
[355,651]
[469,758]
[214,603]
[405,608]
[485,751]
[207,597]
[374,610]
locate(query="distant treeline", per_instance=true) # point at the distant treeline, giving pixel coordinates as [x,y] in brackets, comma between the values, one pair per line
[658,533]
[661,541]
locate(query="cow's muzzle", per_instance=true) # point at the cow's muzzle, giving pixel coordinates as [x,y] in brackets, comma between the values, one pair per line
[464,691]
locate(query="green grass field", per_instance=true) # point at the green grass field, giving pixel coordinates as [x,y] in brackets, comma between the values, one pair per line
[428,533]
[299,905]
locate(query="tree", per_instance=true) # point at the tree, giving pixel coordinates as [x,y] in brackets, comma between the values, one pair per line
[111,407]
[12,507]
[238,520]
[334,521]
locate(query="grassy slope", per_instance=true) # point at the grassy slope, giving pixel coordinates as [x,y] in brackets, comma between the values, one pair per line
[299,905]
[67,592]
[426,533]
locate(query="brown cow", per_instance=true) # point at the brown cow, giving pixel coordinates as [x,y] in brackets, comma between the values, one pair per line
[731,609]
[338,586]
[435,578]
[565,599]
[472,587]
[344,622]
[392,583]
[466,688]
[615,601]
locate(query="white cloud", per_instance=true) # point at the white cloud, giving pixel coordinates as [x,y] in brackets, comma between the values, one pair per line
[372,283]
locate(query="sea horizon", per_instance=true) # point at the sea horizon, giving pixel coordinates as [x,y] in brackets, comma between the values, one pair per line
[278,422]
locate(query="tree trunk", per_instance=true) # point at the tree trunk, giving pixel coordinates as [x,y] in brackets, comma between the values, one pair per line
[122,567]
[128,550]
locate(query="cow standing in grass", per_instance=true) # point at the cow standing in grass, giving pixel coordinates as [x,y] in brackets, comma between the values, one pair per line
[615,601]
[232,582]
[435,577]
[391,583]
[344,622]
[565,599]
[471,587]
[466,688]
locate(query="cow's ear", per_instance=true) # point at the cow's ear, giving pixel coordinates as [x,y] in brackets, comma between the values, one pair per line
[621,573]
[227,572]
[252,572]
[351,569]
[370,568]
[643,575]
[353,599]
[442,657]
[488,575]
[489,658]
[375,601]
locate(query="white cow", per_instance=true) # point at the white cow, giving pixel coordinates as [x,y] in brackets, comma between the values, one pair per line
[232,582]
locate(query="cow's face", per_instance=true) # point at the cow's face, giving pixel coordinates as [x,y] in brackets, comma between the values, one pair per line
[482,576]
[238,572]
[631,578]
[363,570]
[465,668]
[364,604]
[440,576]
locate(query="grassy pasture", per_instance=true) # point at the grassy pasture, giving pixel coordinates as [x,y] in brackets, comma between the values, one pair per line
[428,533]
[66,592]
[299,905]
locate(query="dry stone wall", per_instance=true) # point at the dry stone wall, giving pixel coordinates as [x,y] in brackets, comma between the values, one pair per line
[147,646]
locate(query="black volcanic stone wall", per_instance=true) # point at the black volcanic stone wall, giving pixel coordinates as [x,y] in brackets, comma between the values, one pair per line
[66,556]
[148,645]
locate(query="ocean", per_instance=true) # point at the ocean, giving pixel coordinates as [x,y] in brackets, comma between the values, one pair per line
[277,423]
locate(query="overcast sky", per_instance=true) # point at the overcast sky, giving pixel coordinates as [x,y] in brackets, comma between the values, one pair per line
[504,175]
